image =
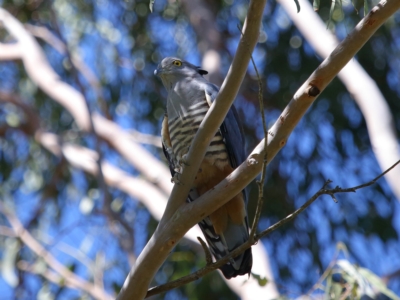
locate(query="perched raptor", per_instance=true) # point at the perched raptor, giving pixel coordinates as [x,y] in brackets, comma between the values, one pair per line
[189,98]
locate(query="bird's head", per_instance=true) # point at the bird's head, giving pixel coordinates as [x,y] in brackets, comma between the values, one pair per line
[172,69]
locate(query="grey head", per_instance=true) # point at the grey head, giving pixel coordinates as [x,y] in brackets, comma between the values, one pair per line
[172,70]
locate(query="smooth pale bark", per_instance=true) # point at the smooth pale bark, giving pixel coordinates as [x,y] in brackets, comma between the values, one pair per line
[72,279]
[255,157]
[211,42]
[10,51]
[166,235]
[172,229]
[41,73]
[85,159]
[363,90]
[250,288]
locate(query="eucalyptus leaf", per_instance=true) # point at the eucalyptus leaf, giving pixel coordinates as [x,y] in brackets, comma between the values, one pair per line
[8,265]
[316,4]
[331,10]
[151,4]
[377,283]
[262,281]
[366,7]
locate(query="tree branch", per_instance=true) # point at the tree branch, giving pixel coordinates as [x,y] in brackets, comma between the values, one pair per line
[10,51]
[211,267]
[218,110]
[43,75]
[176,221]
[159,246]
[40,251]
[289,118]
[376,113]
[40,71]
[85,159]
[46,35]
[210,41]
[59,90]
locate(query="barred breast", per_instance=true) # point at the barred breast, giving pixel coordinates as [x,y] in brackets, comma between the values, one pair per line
[182,130]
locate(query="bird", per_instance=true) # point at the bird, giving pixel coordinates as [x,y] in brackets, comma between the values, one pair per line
[189,97]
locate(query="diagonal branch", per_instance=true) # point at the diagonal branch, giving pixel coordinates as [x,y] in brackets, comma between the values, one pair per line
[40,71]
[10,51]
[40,251]
[177,221]
[364,90]
[128,241]
[44,76]
[292,114]
[85,159]
[151,257]
[211,267]
[218,110]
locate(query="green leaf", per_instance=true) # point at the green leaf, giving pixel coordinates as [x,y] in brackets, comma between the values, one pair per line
[262,281]
[45,293]
[377,283]
[336,291]
[316,5]
[340,246]
[328,285]
[297,5]
[353,2]
[8,270]
[151,5]
[331,13]
[366,8]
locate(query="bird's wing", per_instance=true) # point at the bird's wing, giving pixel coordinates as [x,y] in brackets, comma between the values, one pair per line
[167,145]
[231,130]
[235,235]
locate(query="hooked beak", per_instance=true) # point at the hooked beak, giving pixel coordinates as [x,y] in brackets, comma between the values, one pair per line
[158,71]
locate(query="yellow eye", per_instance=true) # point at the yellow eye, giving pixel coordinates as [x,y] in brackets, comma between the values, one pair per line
[177,63]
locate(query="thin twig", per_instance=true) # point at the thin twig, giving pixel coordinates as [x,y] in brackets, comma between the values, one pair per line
[326,273]
[100,176]
[209,268]
[83,92]
[46,35]
[73,279]
[206,250]
[260,183]
[144,138]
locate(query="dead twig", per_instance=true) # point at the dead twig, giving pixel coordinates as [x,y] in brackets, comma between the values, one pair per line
[209,268]
[70,277]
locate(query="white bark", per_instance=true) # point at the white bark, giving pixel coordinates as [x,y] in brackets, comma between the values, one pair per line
[250,289]
[360,85]
[153,170]
[169,232]
[238,179]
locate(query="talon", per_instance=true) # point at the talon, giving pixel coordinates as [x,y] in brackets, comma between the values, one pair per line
[176,180]
[183,161]
[178,171]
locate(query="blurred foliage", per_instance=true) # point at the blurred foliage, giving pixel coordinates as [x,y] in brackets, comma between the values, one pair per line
[122,42]
[344,280]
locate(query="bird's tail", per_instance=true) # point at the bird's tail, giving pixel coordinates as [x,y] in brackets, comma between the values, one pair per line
[221,245]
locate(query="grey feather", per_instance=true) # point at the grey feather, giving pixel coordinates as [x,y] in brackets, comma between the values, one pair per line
[186,91]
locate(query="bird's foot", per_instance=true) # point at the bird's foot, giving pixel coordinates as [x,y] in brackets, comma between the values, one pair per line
[175,179]
[183,161]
